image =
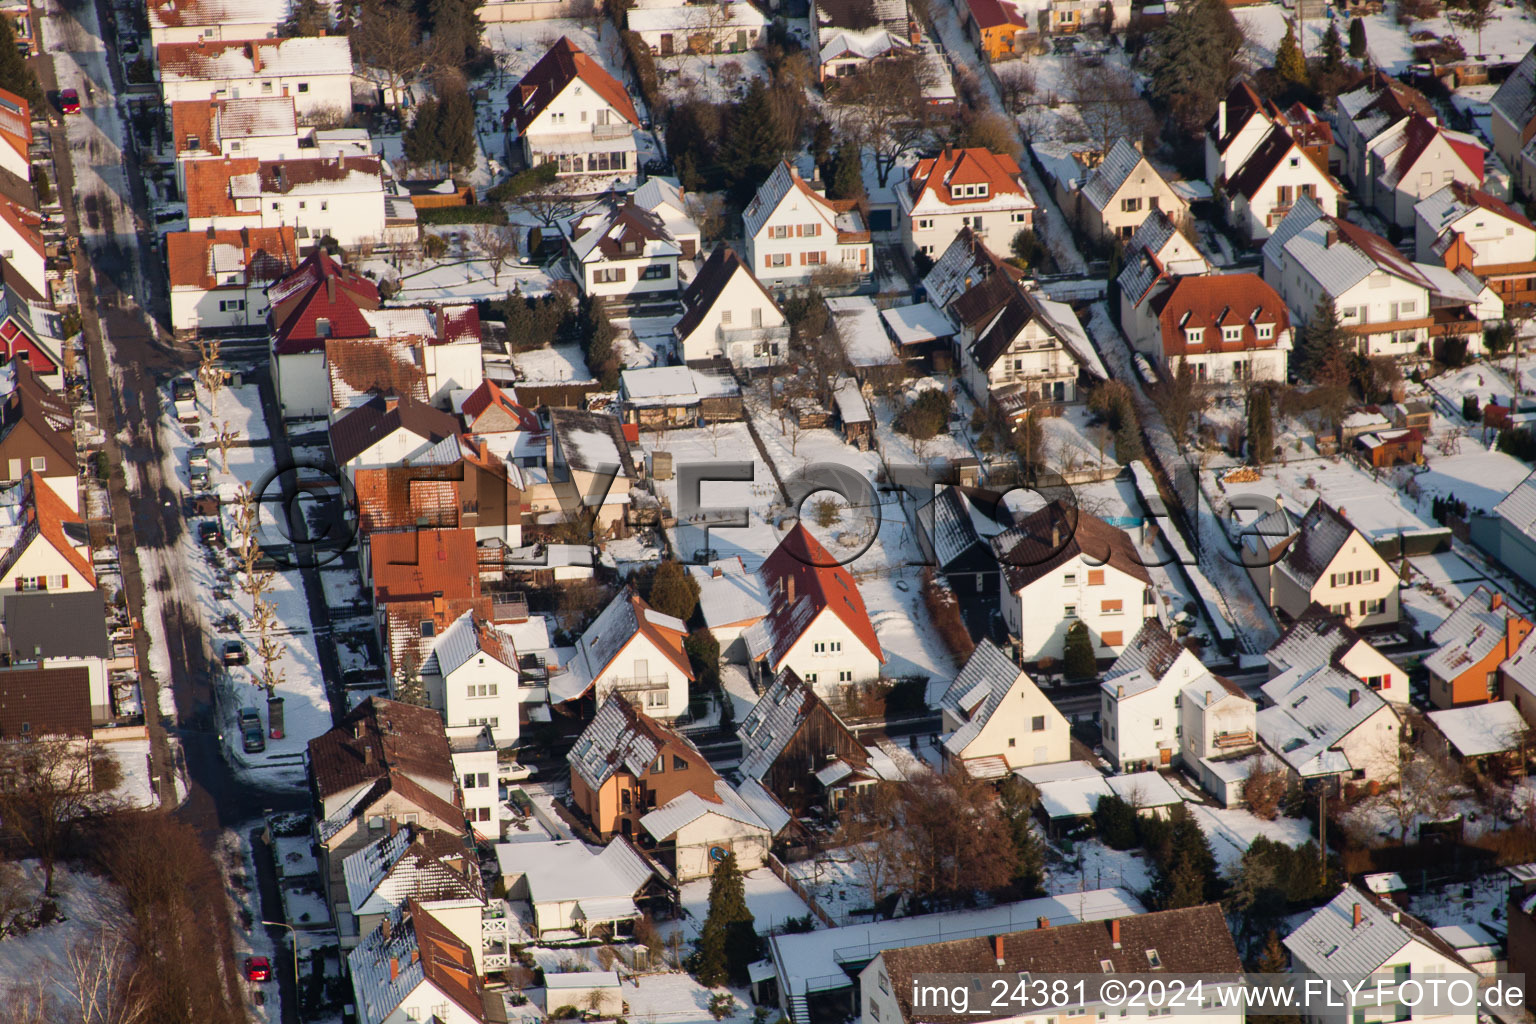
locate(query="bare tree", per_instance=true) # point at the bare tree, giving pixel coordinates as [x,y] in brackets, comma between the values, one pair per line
[549,203]
[497,245]
[1425,788]
[870,834]
[50,787]
[386,41]
[1015,84]
[30,1002]
[269,649]
[99,982]
[883,108]
[255,581]
[1264,788]
[210,373]
[1110,107]
[223,441]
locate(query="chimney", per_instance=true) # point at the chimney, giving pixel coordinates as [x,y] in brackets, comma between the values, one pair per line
[1356,923]
[368,754]
[1496,602]
[997,949]
[1042,923]
[357,730]
[1055,535]
[1120,691]
[1354,697]
[1207,698]
[391,403]
[789,589]
[394,968]
[1332,237]
[394,826]
[1221,119]
[415,955]
[1114,932]
[386,928]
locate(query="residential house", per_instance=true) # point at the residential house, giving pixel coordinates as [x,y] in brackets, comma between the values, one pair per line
[633,649]
[1218,732]
[1226,328]
[634,777]
[38,701]
[260,127]
[1324,725]
[1327,561]
[1358,934]
[58,629]
[1372,115]
[438,870]
[21,245]
[587,463]
[350,199]
[220,278]
[1280,171]
[472,677]
[190,21]
[1383,449]
[1465,228]
[1491,735]
[1415,159]
[570,111]
[999,28]
[732,601]
[1241,122]
[455,484]
[729,315]
[317,73]
[846,40]
[664,198]
[961,524]
[1514,123]
[995,718]
[799,753]
[30,330]
[387,430]
[1473,641]
[1121,191]
[817,625]
[1062,567]
[1066,17]
[669,30]
[583,991]
[1507,532]
[622,252]
[319,300]
[37,433]
[45,543]
[571,888]
[413,968]
[1387,303]
[16,134]
[1191,940]
[1141,698]
[958,189]
[490,410]
[793,231]
[657,397]
[1157,254]
[1318,637]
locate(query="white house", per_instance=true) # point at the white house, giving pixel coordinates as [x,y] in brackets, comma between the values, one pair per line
[1369,116]
[16,135]
[1227,328]
[317,73]
[1388,303]
[1242,121]
[1122,191]
[846,36]
[793,231]
[1322,723]
[996,719]
[729,315]
[21,245]
[220,278]
[411,863]
[415,969]
[1514,123]
[1060,570]
[571,886]
[632,649]
[570,111]
[664,198]
[1276,174]
[1217,720]
[1157,254]
[1465,228]
[44,544]
[387,430]
[1359,934]
[621,252]
[1140,698]
[817,625]
[1319,637]
[471,677]
[1330,563]
[726,27]
[188,21]
[343,197]
[963,188]
[1413,160]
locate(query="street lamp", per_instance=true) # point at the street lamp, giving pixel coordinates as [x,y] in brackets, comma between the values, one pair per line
[285,924]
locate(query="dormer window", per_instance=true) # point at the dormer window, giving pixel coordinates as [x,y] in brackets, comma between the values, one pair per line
[1266,331]
[322,327]
[1231,334]
[1192,335]
[981,191]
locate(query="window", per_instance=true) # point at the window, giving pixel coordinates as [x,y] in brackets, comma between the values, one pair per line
[1112,638]
[1111,607]
[1037,724]
[1154,959]
[1266,331]
[1012,742]
[845,676]
[428,630]
[303,87]
[810,677]
[779,231]
[810,230]
[469,781]
[656,698]
[485,780]
[725,317]
[231,305]
[608,275]
[1069,611]
[39,462]
[1095,577]
[885,985]
[1231,334]
[679,764]
[1017,217]
[656,272]
[834,646]
[1130,205]
[776,259]
[1194,334]
[813,259]
[819,648]
[1069,580]
[659,766]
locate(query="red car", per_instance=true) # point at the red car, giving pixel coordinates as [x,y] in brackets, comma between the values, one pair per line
[258,968]
[69,101]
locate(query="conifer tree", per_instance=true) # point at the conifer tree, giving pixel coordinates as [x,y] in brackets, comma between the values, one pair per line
[305,18]
[1333,48]
[15,74]
[1261,426]
[754,142]
[1357,38]
[1077,654]
[673,591]
[1289,63]
[729,942]
[1017,801]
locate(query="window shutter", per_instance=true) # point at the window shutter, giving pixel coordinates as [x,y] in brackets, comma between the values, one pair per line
[766,261]
[802,259]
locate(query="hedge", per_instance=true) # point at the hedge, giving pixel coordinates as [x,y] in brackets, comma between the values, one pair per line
[487,213]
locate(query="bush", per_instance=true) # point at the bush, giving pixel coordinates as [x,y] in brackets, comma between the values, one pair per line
[944,611]
[141,71]
[704,657]
[485,213]
[1116,821]
[435,246]
[927,416]
[1077,659]
[1027,249]
[564,1013]
[43,186]
[644,63]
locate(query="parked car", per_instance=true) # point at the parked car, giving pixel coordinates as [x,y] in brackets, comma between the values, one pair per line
[252,736]
[210,534]
[69,101]
[514,772]
[197,456]
[234,653]
[258,968]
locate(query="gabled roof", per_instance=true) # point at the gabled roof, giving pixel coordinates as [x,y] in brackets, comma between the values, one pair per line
[375,738]
[1152,650]
[628,232]
[1444,208]
[33,403]
[965,519]
[1278,146]
[200,127]
[1320,536]
[684,809]
[1469,634]
[319,289]
[50,624]
[1330,939]
[468,636]
[226,60]
[979,690]
[785,179]
[412,863]
[591,442]
[1313,710]
[16,123]
[1110,176]
[364,426]
[45,702]
[46,516]
[210,259]
[1242,104]
[1317,637]
[1380,102]
[775,719]
[423,564]
[1335,252]
[1516,98]
[940,175]
[24,223]
[361,368]
[621,737]
[1212,302]
[490,394]
[709,284]
[199,13]
[626,617]
[1054,535]
[805,580]
[1418,134]
[409,949]
[561,65]
[995,14]
[1194,939]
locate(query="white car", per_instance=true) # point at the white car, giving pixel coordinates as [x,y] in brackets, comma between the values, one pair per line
[514,772]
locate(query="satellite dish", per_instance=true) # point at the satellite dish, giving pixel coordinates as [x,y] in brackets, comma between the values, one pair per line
[717,853]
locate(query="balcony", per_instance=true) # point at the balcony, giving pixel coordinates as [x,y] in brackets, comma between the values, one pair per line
[640,684]
[1233,740]
[610,131]
[751,335]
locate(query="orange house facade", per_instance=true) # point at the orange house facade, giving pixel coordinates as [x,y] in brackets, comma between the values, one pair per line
[996,27]
[1479,636]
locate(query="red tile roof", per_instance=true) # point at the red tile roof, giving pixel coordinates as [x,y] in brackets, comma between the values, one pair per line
[268,254]
[993,14]
[940,174]
[558,68]
[1419,133]
[1267,158]
[489,394]
[16,123]
[24,223]
[1216,301]
[407,497]
[423,564]
[45,702]
[319,289]
[1477,197]
[51,516]
[208,187]
[377,738]
[800,562]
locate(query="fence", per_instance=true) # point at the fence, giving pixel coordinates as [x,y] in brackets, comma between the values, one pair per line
[778,868]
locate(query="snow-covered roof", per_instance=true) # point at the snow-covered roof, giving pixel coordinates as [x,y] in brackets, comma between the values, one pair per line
[1314,710]
[465,638]
[580,980]
[560,870]
[1336,253]
[1059,771]
[1070,330]
[979,689]
[260,58]
[1072,798]
[1111,174]
[431,868]
[1144,789]
[1518,508]
[665,821]
[917,323]
[851,407]
[1469,634]
[1331,941]
[962,523]
[696,18]
[729,595]
[673,385]
[860,329]
[1480,729]
[866,45]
